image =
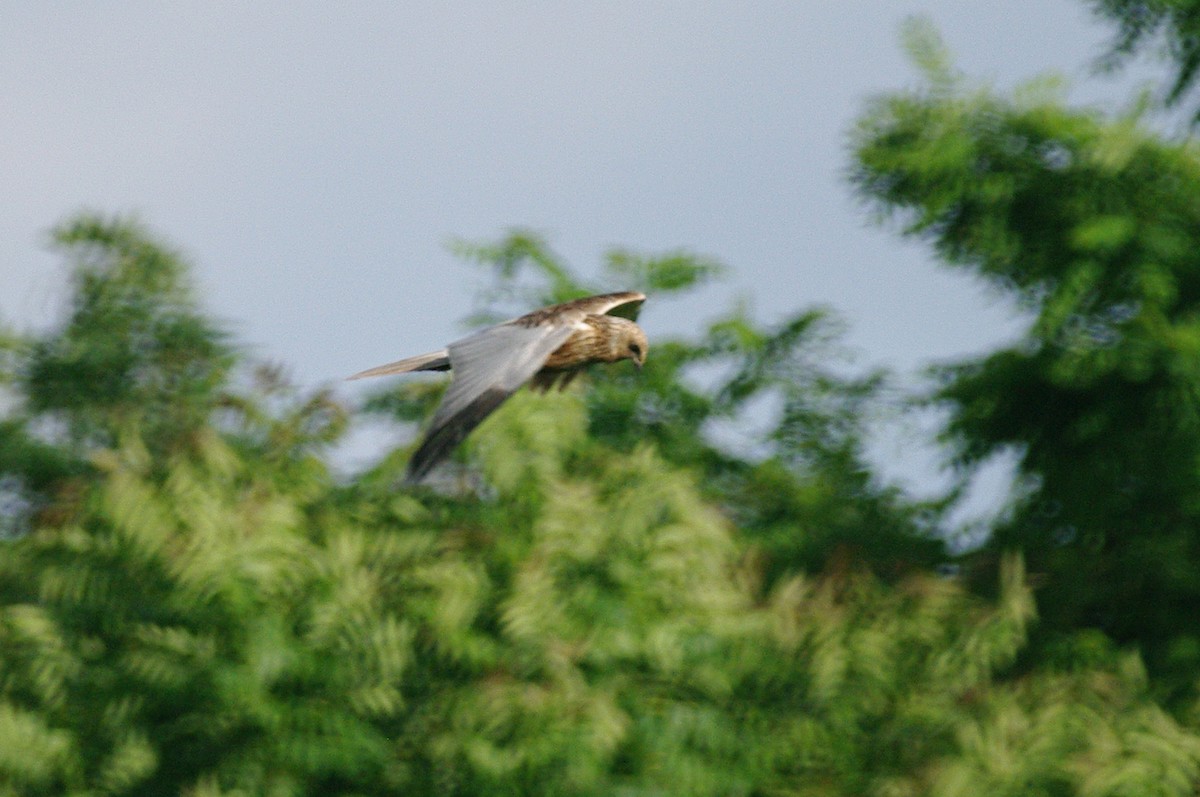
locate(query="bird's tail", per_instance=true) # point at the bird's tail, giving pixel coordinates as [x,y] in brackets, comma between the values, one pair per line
[433,361]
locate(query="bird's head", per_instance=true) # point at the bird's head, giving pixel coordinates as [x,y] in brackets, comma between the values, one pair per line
[629,343]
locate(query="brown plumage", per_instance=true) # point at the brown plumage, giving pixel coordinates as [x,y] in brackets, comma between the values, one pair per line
[547,347]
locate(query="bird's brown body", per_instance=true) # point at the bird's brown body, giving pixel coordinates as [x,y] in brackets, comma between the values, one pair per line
[547,347]
[592,343]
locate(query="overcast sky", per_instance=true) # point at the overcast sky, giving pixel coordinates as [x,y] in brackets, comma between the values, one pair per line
[312,160]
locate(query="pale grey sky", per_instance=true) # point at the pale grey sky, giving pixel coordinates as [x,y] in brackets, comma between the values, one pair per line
[313,159]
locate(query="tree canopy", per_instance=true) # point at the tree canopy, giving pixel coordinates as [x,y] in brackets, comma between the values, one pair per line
[1172,25]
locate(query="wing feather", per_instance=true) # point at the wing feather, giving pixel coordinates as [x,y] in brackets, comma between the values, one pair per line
[433,361]
[441,441]
[488,367]
[503,357]
[625,304]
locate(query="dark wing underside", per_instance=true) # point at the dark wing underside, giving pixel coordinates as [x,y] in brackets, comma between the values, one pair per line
[441,441]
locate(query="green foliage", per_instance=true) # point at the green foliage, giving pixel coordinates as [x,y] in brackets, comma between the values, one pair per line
[135,348]
[135,351]
[196,629]
[1142,23]
[206,611]
[1093,225]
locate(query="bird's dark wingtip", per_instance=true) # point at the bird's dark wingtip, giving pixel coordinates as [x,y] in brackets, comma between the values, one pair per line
[440,443]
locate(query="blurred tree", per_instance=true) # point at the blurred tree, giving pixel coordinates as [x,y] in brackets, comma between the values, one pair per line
[1142,23]
[196,629]
[1095,226]
[213,614]
[134,351]
[135,348]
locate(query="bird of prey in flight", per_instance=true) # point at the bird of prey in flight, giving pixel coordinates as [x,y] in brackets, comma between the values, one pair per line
[546,347]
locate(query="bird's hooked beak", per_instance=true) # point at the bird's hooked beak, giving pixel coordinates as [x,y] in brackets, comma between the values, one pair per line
[634,345]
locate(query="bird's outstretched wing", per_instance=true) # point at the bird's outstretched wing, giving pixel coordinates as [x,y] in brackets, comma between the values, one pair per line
[625,304]
[487,367]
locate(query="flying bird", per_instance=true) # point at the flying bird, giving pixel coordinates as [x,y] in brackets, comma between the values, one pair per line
[547,347]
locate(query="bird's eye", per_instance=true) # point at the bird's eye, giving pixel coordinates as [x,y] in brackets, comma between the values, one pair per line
[635,349]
